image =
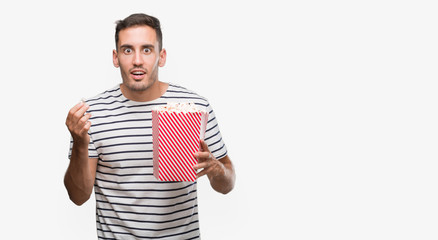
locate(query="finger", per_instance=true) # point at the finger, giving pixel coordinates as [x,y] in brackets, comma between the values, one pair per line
[73,120]
[202,173]
[77,125]
[72,111]
[203,146]
[86,127]
[77,111]
[201,165]
[84,119]
[76,107]
[80,113]
[202,155]
[77,116]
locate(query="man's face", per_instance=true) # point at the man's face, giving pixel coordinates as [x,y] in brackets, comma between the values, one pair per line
[138,57]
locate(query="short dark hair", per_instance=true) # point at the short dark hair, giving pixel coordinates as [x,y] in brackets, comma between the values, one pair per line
[140,19]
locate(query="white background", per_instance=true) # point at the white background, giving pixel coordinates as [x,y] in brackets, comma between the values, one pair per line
[328,109]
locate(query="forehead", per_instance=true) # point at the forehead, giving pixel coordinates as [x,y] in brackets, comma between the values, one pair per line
[137,35]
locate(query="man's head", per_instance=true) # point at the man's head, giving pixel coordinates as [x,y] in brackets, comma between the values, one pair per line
[140,19]
[139,51]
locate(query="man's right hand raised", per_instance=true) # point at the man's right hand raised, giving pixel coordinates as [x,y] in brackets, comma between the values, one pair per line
[78,124]
[81,172]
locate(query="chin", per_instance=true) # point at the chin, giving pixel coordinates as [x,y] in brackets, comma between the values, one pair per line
[137,86]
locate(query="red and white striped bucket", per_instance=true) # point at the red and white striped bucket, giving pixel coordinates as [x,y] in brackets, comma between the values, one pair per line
[176,137]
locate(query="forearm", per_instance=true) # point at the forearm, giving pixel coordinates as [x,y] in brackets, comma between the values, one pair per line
[223,183]
[79,178]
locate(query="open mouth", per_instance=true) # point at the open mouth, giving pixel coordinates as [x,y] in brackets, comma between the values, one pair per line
[138,74]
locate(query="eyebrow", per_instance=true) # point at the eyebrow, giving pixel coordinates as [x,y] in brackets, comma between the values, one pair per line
[143,46]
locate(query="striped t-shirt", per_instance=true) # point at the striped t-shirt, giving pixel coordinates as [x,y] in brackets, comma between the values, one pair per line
[130,202]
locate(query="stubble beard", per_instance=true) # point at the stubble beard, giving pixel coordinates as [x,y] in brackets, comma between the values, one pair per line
[144,84]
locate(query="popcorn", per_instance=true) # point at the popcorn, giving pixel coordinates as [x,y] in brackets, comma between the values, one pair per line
[176,131]
[178,107]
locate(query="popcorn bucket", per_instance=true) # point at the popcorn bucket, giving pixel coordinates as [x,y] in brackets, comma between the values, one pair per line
[176,131]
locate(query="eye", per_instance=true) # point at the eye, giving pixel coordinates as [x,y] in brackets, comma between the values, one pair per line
[147,50]
[127,50]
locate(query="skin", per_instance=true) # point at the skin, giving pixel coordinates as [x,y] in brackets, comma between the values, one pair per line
[138,56]
[220,172]
[81,172]
[138,51]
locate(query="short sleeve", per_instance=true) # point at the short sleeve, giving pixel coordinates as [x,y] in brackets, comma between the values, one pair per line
[92,152]
[213,137]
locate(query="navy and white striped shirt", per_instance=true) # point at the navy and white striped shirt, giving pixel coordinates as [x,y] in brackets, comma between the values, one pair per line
[130,202]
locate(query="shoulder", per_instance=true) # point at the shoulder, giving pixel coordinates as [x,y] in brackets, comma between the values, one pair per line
[179,93]
[107,96]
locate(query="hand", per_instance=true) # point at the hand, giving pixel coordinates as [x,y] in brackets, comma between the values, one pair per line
[206,161]
[78,124]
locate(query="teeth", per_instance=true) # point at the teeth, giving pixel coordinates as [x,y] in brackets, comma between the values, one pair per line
[137,73]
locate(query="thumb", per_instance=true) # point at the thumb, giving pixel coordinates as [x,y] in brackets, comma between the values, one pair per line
[203,146]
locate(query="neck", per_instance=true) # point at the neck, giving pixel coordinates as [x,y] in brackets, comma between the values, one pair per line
[156,90]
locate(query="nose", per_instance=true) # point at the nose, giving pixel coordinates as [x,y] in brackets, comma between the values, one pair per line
[138,60]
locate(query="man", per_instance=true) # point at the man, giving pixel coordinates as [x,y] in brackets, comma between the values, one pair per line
[111,147]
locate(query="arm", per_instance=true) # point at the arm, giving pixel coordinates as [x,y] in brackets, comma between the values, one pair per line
[80,176]
[220,172]
[81,172]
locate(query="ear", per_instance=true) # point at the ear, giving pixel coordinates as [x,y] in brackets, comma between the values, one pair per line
[163,55]
[115,59]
